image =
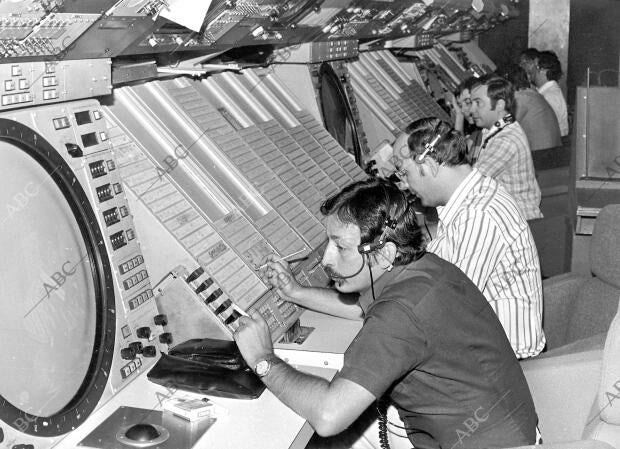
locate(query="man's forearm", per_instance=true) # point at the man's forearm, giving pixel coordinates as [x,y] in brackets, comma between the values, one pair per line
[328,407]
[329,301]
[303,393]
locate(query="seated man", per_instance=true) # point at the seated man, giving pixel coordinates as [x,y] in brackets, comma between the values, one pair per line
[505,153]
[463,121]
[480,228]
[546,76]
[528,61]
[430,341]
[533,112]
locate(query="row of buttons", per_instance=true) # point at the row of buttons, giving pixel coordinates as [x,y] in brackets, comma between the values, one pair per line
[286,308]
[131,264]
[50,94]
[267,313]
[223,309]
[16,99]
[10,85]
[135,279]
[140,299]
[131,367]
[61,122]
[49,81]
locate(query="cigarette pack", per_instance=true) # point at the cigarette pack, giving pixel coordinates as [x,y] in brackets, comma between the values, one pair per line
[190,408]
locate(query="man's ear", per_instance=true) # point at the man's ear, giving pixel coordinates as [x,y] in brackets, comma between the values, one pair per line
[500,106]
[429,165]
[387,255]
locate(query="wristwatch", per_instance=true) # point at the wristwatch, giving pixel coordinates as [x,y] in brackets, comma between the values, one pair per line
[263,367]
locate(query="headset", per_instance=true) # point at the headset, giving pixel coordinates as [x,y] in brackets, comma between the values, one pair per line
[497,127]
[389,223]
[367,248]
[430,146]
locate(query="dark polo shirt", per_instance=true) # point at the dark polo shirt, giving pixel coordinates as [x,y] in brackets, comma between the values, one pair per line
[433,343]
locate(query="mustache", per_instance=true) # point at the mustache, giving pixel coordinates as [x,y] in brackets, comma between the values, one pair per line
[333,274]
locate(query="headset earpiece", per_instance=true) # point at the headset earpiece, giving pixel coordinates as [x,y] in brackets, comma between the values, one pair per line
[430,146]
[367,248]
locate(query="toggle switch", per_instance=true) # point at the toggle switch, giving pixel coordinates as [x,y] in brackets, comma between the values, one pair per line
[149,351]
[161,319]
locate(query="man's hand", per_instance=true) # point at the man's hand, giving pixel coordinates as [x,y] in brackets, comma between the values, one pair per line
[277,273]
[253,338]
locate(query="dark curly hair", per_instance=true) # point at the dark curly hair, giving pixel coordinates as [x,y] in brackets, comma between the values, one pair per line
[368,204]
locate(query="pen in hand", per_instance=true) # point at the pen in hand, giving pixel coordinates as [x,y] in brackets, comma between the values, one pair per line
[286,258]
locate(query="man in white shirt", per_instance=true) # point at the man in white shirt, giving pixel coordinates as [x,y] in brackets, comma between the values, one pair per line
[480,230]
[546,77]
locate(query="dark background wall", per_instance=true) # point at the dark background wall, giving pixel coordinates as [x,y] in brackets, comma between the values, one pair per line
[594,41]
[506,41]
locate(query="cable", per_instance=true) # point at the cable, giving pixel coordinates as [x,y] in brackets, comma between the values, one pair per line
[428,231]
[384,441]
[336,277]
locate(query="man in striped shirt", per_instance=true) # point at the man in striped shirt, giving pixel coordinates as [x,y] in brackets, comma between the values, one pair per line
[505,152]
[480,229]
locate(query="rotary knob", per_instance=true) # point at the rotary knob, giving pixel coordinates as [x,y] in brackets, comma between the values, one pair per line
[144,332]
[161,319]
[128,354]
[165,338]
[149,351]
[136,346]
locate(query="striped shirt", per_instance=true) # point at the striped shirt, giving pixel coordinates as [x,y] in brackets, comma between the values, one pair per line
[508,159]
[482,232]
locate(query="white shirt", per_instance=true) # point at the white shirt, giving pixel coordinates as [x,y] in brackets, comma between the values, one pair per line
[553,94]
[482,232]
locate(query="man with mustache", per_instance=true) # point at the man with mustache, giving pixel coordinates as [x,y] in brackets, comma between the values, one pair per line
[430,341]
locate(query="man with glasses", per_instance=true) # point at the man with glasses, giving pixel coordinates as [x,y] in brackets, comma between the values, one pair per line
[480,228]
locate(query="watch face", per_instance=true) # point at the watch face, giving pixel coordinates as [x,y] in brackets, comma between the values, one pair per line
[262,368]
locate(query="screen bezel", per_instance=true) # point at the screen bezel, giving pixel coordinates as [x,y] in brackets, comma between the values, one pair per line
[326,72]
[88,395]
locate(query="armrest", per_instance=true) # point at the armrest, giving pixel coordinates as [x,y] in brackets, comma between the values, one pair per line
[564,389]
[559,293]
[582,444]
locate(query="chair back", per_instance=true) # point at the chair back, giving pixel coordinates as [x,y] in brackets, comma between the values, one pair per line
[604,422]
